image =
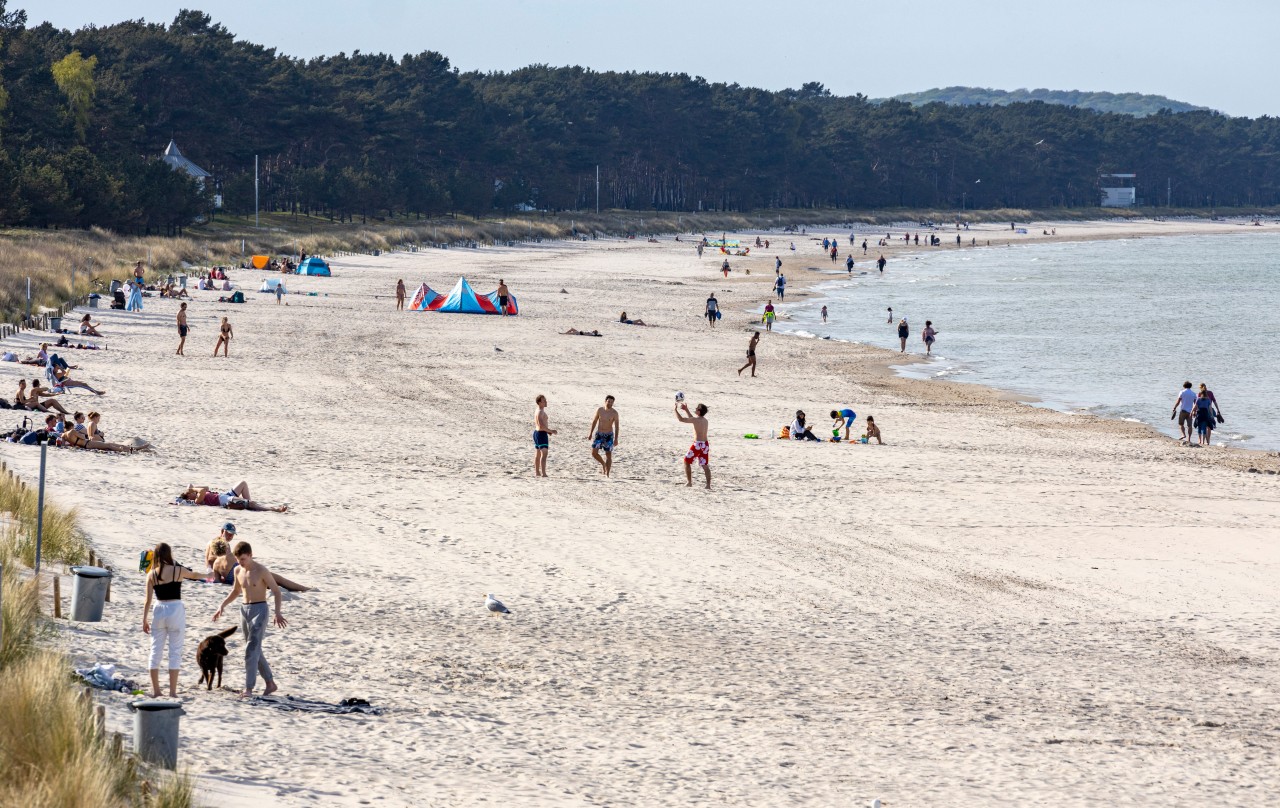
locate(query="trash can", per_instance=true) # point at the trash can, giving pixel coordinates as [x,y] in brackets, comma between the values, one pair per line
[93,300]
[89,593]
[55,324]
[155,731]
[116,286]
[182,281]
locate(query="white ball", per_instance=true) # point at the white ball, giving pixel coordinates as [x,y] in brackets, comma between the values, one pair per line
[679,396]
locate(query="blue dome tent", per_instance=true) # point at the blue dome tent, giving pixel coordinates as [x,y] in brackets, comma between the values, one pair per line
[314,265]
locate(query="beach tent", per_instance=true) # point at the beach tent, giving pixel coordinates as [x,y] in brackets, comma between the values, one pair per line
[313,266]
[260,261]
[270,284]
[462,299]
[427,299]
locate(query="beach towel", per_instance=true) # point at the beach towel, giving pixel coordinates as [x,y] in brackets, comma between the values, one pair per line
[295,704]
[135,299]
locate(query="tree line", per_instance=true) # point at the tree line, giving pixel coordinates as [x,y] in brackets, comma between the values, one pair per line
[85,114]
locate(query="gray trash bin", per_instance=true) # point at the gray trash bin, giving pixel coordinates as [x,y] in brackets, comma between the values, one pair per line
[89,593]
[155,731]
[182,281]
[55,324]
[93,300]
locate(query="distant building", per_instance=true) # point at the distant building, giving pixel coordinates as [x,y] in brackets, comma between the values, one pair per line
[178,162]
[1118,190]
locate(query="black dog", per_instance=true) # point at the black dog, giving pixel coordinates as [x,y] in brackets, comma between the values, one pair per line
[209,655]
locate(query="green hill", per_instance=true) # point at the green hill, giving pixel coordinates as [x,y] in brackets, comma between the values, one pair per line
[1125,103]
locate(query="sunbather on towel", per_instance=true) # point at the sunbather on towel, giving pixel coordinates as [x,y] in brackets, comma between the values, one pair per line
[237,499]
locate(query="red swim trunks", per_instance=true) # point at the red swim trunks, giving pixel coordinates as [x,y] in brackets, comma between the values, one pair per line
[699,452]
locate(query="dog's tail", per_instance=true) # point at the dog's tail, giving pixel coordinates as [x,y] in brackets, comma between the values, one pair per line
[227,633]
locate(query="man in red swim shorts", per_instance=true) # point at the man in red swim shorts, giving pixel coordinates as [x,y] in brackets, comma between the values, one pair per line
[700,451]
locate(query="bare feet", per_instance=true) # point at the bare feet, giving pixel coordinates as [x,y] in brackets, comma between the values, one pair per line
[270,688]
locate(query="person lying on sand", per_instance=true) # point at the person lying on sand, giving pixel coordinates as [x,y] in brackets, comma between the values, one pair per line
[79,440]
[623,319]
[237,499]
[576,332]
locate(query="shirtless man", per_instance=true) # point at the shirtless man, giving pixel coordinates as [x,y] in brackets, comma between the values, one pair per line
[604,432]
[751,355]
[699,452]
[400,294]
[182,328]
[504,295]
[254,580]
[542,433]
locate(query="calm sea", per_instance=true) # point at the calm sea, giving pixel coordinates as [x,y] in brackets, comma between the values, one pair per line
[1109,327]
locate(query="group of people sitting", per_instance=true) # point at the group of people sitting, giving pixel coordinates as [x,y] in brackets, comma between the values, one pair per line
[81,433]
[222,564]
[171,289]
[841,419]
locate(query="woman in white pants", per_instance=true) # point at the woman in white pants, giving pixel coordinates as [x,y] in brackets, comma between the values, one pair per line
[168,625]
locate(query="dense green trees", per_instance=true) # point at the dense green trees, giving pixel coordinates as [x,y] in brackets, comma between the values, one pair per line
[358,135]
[1123,103]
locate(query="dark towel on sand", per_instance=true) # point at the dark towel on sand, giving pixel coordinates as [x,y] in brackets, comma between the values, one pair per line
[295,704]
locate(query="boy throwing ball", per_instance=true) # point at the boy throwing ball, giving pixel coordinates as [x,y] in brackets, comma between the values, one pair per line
[700,451]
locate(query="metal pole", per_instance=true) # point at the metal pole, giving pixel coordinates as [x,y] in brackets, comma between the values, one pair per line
[44,451]
[28,301]
[255,190]
[597,188]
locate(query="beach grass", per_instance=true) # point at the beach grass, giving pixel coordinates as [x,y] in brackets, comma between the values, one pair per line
[51,752]
[63,540]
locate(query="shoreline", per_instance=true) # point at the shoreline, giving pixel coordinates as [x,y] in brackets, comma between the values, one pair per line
[808,284]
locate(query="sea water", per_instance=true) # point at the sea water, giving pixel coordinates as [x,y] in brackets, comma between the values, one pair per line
[1111,328]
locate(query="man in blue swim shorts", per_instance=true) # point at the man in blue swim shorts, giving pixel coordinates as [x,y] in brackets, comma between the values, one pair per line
[606,429]
[846,415]
[542,433]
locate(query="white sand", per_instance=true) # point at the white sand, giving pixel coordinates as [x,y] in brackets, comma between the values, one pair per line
[1002,606]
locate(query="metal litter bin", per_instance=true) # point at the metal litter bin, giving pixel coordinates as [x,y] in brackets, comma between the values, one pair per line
[55,324]
[89,593]
[155,731]
[93,300]
[182,281]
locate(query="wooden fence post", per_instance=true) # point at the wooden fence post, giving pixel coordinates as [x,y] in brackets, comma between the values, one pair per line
[57,597]
[109,577]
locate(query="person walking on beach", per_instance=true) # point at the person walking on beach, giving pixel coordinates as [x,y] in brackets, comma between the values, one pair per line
[224,338]
[1204,417]
[168,624]
[824,314]
[777,265]
[603,434]
[1182,409]
[929,336]
[400,295]
[880,263]
[254,580]
[542,433]
[1217,408]
[780,286]
[700,451]
[904,331]
[769,315]
[504,295]
[848,264]
[713,310]
[751,355]
[864,246]
[182,328]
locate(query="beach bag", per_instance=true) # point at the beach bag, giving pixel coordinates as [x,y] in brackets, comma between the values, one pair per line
[238,297]
[144,560]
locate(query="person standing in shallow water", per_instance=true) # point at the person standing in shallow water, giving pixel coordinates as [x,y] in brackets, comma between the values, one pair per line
[929,335]
[400,295]
[904,331]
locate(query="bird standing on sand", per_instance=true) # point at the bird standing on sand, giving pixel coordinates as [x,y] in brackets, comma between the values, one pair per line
[495,606]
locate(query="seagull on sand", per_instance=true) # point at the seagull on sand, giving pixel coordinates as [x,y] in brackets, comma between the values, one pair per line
[495,606]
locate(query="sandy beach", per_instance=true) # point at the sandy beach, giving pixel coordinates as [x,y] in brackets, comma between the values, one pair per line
[988,610]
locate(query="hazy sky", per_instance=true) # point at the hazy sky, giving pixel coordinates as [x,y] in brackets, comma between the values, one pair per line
[1217,54]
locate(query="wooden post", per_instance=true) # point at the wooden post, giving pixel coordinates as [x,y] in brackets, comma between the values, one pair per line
[93,559]
[57,597]
[109,577]
[100,719]
[117,744]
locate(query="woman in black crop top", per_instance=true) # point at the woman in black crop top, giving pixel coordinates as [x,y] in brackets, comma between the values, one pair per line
[168,624]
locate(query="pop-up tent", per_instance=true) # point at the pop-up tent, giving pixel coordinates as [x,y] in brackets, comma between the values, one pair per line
[270,284]
[462,299]
[313,266]
[260,261]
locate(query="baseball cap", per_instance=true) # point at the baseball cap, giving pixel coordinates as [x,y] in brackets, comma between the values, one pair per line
[229,527]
